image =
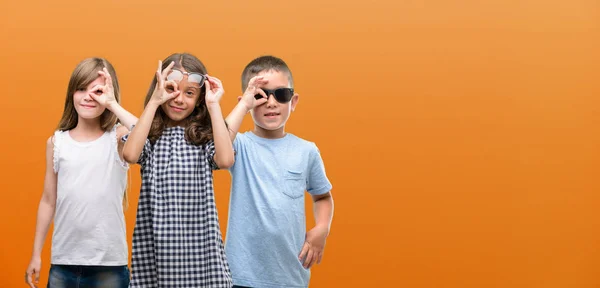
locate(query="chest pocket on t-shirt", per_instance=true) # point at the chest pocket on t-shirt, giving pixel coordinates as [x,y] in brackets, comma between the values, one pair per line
[294,184]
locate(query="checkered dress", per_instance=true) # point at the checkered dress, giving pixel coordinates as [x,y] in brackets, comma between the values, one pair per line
[177,241]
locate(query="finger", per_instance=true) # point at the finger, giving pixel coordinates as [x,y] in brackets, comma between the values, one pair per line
[218,93]
[262,93]
[28,279]
[159,81]
[262,100]
[159,70]
[260,82]
[94,96]
[253,88]
[320,257]
[309,257]
[37,276]
[315,257]
[167,70]
[172,84]
[107,78]
[255,79]
[305,249]
[97,93]
[97,88]
[215,82]
[107,82]
[172,95]
[207,85]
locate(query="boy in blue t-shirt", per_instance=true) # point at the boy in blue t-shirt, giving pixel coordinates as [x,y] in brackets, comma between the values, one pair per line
[266,242]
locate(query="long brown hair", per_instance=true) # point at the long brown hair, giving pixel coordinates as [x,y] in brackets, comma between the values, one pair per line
[84,74]
[198,126]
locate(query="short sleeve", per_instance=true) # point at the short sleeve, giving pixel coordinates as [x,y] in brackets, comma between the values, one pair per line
[145,151]
[317,182]
[209,151]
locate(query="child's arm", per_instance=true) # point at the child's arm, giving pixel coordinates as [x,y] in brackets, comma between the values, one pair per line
[246,103]
[125,117]
[107,99]
[312,251]
[135,143]
[224,157]
[45,215]
[320,189]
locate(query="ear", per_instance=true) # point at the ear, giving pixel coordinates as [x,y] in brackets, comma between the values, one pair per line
[295,100]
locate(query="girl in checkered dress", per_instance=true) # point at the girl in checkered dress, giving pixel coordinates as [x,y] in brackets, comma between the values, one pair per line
[180,138]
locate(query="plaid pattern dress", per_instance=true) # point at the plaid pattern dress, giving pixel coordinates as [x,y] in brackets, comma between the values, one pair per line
[177,241]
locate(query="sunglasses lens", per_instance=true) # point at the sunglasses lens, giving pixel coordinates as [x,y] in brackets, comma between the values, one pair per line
[283,95]
[175,75]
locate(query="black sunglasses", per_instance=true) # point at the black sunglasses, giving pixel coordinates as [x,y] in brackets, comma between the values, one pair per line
[282,95]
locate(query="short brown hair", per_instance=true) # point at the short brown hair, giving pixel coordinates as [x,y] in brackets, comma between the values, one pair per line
[265,63]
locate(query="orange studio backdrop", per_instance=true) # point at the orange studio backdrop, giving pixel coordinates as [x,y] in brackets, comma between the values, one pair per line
[461,137]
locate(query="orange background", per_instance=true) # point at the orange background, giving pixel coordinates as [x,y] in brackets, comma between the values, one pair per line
[461,137]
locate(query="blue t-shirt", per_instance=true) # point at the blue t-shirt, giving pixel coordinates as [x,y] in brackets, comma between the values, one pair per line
[267,222]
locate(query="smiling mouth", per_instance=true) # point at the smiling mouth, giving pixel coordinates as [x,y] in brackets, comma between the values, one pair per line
[272,114]
[88,106]
[177,108]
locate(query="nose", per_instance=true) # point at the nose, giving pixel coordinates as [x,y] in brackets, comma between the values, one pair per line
[271,102]
[88,98]
[178,99]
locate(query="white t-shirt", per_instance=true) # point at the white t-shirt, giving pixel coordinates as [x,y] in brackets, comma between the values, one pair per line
[89,225]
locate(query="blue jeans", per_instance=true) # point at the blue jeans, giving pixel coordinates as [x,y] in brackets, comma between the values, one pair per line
[75,276]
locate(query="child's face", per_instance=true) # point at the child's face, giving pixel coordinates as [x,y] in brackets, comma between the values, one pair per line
[85,105]
[180,107]
[273,115]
